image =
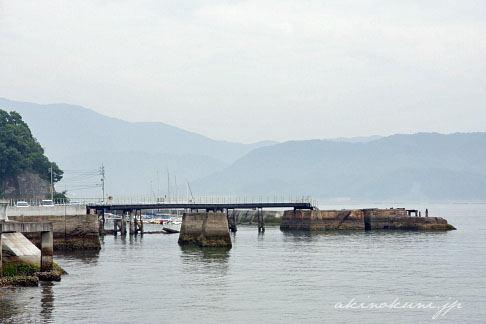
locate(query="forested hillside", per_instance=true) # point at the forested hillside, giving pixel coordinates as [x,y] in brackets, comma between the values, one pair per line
[20,151]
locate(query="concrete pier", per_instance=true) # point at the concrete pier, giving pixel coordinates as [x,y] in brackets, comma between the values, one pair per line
[45,229]
[47,250]
[205,230]
[261,223]
[140,224]
[131,221]
[73,228]
[123,230]
[361,219]
[1,258]
[232,220]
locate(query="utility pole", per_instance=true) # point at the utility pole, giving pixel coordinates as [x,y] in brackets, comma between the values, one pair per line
[103,181]
[52,186]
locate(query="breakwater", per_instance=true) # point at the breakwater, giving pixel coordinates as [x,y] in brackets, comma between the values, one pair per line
[361,219]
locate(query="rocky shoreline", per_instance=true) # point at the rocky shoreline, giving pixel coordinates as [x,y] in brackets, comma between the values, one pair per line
[27,275]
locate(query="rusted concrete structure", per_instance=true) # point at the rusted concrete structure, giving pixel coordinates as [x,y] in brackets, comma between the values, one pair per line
[322,220]
[205,230]
[400,219]
[360,219]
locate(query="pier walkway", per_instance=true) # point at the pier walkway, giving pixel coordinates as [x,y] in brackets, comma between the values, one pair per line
[133,207]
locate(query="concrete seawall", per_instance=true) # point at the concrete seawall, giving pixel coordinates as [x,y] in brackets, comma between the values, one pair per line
[360,219]
[205,230]
[72,228]
[320,220]
[62,210]
[250,216]
[397,219]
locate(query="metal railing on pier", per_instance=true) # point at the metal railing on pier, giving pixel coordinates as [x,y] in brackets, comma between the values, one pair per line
[151,200]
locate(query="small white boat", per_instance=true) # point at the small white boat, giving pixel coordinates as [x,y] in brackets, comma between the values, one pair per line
[175,220]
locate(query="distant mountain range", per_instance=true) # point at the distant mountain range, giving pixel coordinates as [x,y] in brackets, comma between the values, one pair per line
[137,157]
[133,153]
[414,167]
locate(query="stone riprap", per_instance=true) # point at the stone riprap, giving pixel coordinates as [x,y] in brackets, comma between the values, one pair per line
[205,230]
[360,219]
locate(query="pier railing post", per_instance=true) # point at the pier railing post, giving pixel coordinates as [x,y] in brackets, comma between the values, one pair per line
[47,250]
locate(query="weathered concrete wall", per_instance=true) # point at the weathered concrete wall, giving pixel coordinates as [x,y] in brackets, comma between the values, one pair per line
[369,219]
[78,232]
[381,219]
[3,210]
[205,230]
[65,210]
[250,216]
[191,227]
[321,220]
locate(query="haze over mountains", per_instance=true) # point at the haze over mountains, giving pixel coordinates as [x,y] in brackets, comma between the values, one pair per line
[137,156]
[133,153]
[412,167]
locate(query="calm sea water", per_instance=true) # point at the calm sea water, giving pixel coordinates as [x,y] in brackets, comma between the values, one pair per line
[271,278]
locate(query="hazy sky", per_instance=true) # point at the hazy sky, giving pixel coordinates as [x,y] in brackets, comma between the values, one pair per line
[254,70]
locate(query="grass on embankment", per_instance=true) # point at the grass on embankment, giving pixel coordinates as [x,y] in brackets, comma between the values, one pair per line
[20,269]
[24,274]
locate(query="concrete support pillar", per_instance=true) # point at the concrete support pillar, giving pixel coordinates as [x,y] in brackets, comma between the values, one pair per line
[205,230]
[141,222]
[47,250]
[135,219]
[123,230]
[115,226]
[261,224]
[103,218]
[132,222]
[1,271]
[231,220]
[234,221]
[101,222]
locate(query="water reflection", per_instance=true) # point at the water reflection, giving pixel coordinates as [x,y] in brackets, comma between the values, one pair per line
[89,257]
[47,301]
[195,258]
[8,307]
[311,236]
[206,255]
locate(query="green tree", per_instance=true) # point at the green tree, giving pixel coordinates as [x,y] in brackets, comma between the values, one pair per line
[19,150]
